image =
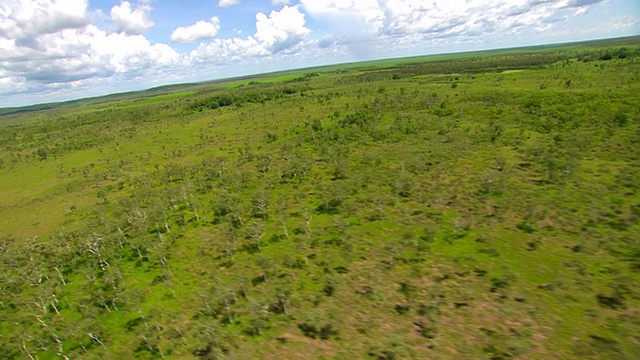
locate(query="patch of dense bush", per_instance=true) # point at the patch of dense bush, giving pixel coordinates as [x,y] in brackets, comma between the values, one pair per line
[240,98]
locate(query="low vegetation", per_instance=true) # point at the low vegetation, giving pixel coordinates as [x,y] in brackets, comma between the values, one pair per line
[479,205]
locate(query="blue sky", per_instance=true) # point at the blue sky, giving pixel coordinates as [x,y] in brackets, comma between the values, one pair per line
[55,50]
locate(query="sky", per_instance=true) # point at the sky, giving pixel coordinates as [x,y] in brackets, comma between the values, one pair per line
[57,50]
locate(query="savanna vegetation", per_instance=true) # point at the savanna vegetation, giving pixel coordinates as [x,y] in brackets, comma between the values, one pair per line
[482,205]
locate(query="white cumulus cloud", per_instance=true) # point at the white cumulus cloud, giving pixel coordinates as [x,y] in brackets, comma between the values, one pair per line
[280,31]
[132,19]
[75,54]
[199,31]
[228,3]
[24,21]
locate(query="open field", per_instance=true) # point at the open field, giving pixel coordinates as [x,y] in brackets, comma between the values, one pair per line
[482,205]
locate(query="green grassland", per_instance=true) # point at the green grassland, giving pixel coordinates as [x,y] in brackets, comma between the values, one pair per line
[482,205]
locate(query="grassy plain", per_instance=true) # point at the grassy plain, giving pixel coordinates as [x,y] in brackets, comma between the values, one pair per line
[481,205]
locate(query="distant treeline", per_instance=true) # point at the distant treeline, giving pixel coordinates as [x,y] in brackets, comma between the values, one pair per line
[496,63]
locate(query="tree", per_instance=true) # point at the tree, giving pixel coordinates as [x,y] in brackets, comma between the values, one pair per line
[43,153]
[265,265]
[254,233]
[260,205]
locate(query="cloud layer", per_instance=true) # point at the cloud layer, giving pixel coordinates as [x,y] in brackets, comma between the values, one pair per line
[397,18]
[56,49]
